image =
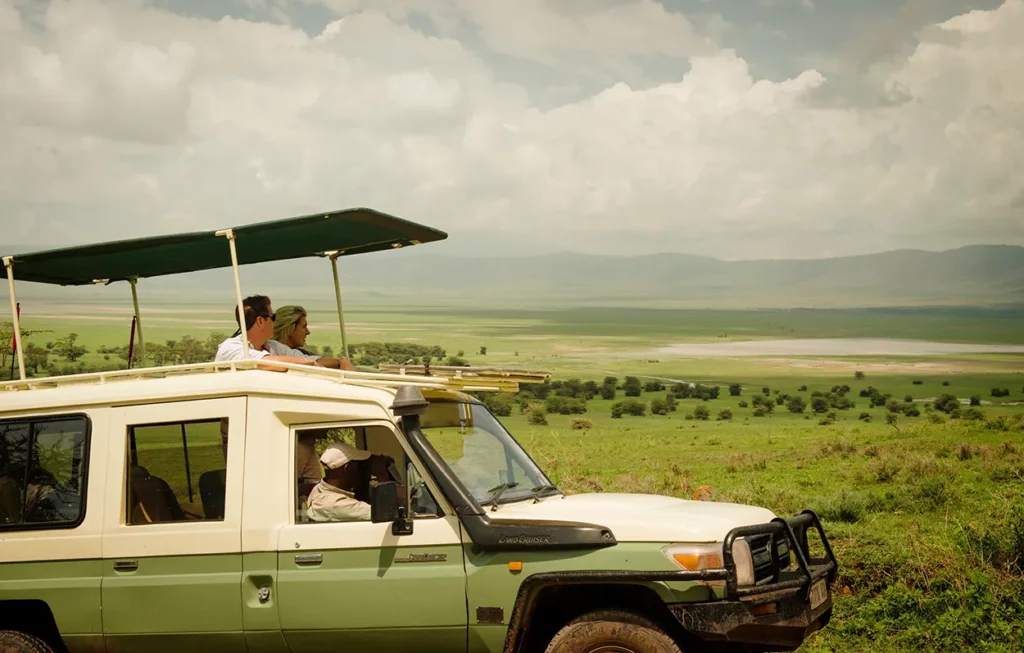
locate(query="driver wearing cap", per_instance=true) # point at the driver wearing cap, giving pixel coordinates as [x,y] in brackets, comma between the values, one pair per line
[334,498]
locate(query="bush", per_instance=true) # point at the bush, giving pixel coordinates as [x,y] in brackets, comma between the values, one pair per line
[537,416]
[565,406]
[607,392]
[910,410]
[670,402]
[702,412]
[918,382]
[802,388]
[759,412]
[629,407]
[632,386]
[734,389]
[908,398]
[499,403]
[865,417]
[658,407]
[744,404]
[796,405]
[947,404]
[580,424]
[975,400]
[654,386]
[997,392]
[945,383]
[766,391]
[971,415]
[819,404]
[724,414]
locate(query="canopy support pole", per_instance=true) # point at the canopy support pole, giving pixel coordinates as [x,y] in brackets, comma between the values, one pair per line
[337,296]
[138,323]
[9,264]
[230,235]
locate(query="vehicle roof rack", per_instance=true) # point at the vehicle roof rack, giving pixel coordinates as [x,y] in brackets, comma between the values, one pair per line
[462,382]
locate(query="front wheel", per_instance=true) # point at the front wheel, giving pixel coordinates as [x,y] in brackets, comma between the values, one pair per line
[15,641]
[612,631]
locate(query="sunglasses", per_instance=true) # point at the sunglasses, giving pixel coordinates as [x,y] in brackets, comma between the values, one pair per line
[272,317]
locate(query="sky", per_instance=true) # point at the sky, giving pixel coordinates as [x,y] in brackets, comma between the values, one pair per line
[739,129]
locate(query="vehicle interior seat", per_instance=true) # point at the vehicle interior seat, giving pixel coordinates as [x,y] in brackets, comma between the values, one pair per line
[10,501]
[212,488]
[153,501]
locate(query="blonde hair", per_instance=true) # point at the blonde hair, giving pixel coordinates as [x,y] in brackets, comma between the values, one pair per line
[286,320]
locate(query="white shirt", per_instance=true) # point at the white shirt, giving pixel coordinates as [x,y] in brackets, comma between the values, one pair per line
[231,350]
[280,349]
[328,503]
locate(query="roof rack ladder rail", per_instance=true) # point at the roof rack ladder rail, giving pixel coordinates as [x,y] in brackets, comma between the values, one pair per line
[16,320]
[230,235]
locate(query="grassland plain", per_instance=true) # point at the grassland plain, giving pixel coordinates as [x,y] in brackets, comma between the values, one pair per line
[926,515]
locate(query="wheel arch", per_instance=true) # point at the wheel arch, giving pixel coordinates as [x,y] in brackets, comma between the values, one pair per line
[547,602]
[32,616]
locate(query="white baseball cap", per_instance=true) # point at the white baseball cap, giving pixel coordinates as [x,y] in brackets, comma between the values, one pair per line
[340,453]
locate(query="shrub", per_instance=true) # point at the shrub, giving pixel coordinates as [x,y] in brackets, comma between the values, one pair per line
[976,400]
[858,374]
[911,411]
[802,388]
[654,386]
[670,402]
[580,424]
[537,416]
[865,417]
[565,405]
[971,415]
[759,412]
[734,389]
[945,383]
[724,414]
[608,392]
[819,404]
[632,407]
[744,404]
[702,412]
[885,470]
[908,398]
[997,392]
[631,386]
[766,391]
[499,403]
[947,403]
[796,405]
[918,382]
[658,407]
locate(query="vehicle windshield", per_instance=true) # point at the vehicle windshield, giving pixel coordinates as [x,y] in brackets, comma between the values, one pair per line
[484,456]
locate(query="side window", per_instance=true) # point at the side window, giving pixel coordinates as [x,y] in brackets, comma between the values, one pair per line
[335,486]
[43,472]
[176,471]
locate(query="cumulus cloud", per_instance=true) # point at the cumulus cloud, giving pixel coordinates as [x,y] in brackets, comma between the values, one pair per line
[122,119]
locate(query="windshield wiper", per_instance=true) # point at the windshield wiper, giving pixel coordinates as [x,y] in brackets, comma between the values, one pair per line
[543,491]
[496,493]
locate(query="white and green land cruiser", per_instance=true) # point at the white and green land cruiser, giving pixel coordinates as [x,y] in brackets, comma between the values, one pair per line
[161,509]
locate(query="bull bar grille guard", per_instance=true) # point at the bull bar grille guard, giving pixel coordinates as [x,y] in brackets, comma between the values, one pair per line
[794,529]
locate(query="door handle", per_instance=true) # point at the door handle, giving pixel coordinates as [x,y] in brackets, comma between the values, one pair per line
[309,559]
[126,565]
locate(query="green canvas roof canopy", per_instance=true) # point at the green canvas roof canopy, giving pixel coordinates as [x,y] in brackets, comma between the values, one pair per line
[353,231]
[333,234]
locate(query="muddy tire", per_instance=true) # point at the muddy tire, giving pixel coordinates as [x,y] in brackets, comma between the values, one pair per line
[14,641]
[612,631]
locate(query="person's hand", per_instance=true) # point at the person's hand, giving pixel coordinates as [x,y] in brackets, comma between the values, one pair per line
[379,466]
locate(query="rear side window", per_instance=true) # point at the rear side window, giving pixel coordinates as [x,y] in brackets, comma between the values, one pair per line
[177,472]
[43,466]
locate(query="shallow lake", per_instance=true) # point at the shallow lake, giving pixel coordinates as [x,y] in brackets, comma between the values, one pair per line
[834,347]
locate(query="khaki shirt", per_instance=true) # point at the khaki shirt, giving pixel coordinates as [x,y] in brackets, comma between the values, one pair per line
[328,503]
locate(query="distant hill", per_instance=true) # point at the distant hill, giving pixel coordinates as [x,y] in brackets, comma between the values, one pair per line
[982,275]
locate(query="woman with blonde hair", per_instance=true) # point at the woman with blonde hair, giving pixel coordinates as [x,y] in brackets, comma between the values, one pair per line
[291,328]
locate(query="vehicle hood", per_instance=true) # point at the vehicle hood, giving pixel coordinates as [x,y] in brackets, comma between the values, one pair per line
[640,517]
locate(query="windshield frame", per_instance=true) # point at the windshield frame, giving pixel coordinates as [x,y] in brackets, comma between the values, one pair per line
[544,486]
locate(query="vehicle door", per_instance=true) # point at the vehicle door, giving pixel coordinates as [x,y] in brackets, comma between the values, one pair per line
[353,586]
[172,540]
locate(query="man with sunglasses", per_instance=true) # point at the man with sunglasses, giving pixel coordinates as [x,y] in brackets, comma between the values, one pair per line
[259,327]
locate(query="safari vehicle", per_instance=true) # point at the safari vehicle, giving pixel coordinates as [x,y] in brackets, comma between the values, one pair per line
[160,509]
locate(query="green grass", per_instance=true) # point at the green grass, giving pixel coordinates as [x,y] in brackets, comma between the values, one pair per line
[927,519]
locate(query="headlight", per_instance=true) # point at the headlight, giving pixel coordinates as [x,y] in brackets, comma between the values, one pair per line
[694,557]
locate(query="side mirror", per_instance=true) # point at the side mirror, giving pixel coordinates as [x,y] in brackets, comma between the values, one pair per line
[385,507]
